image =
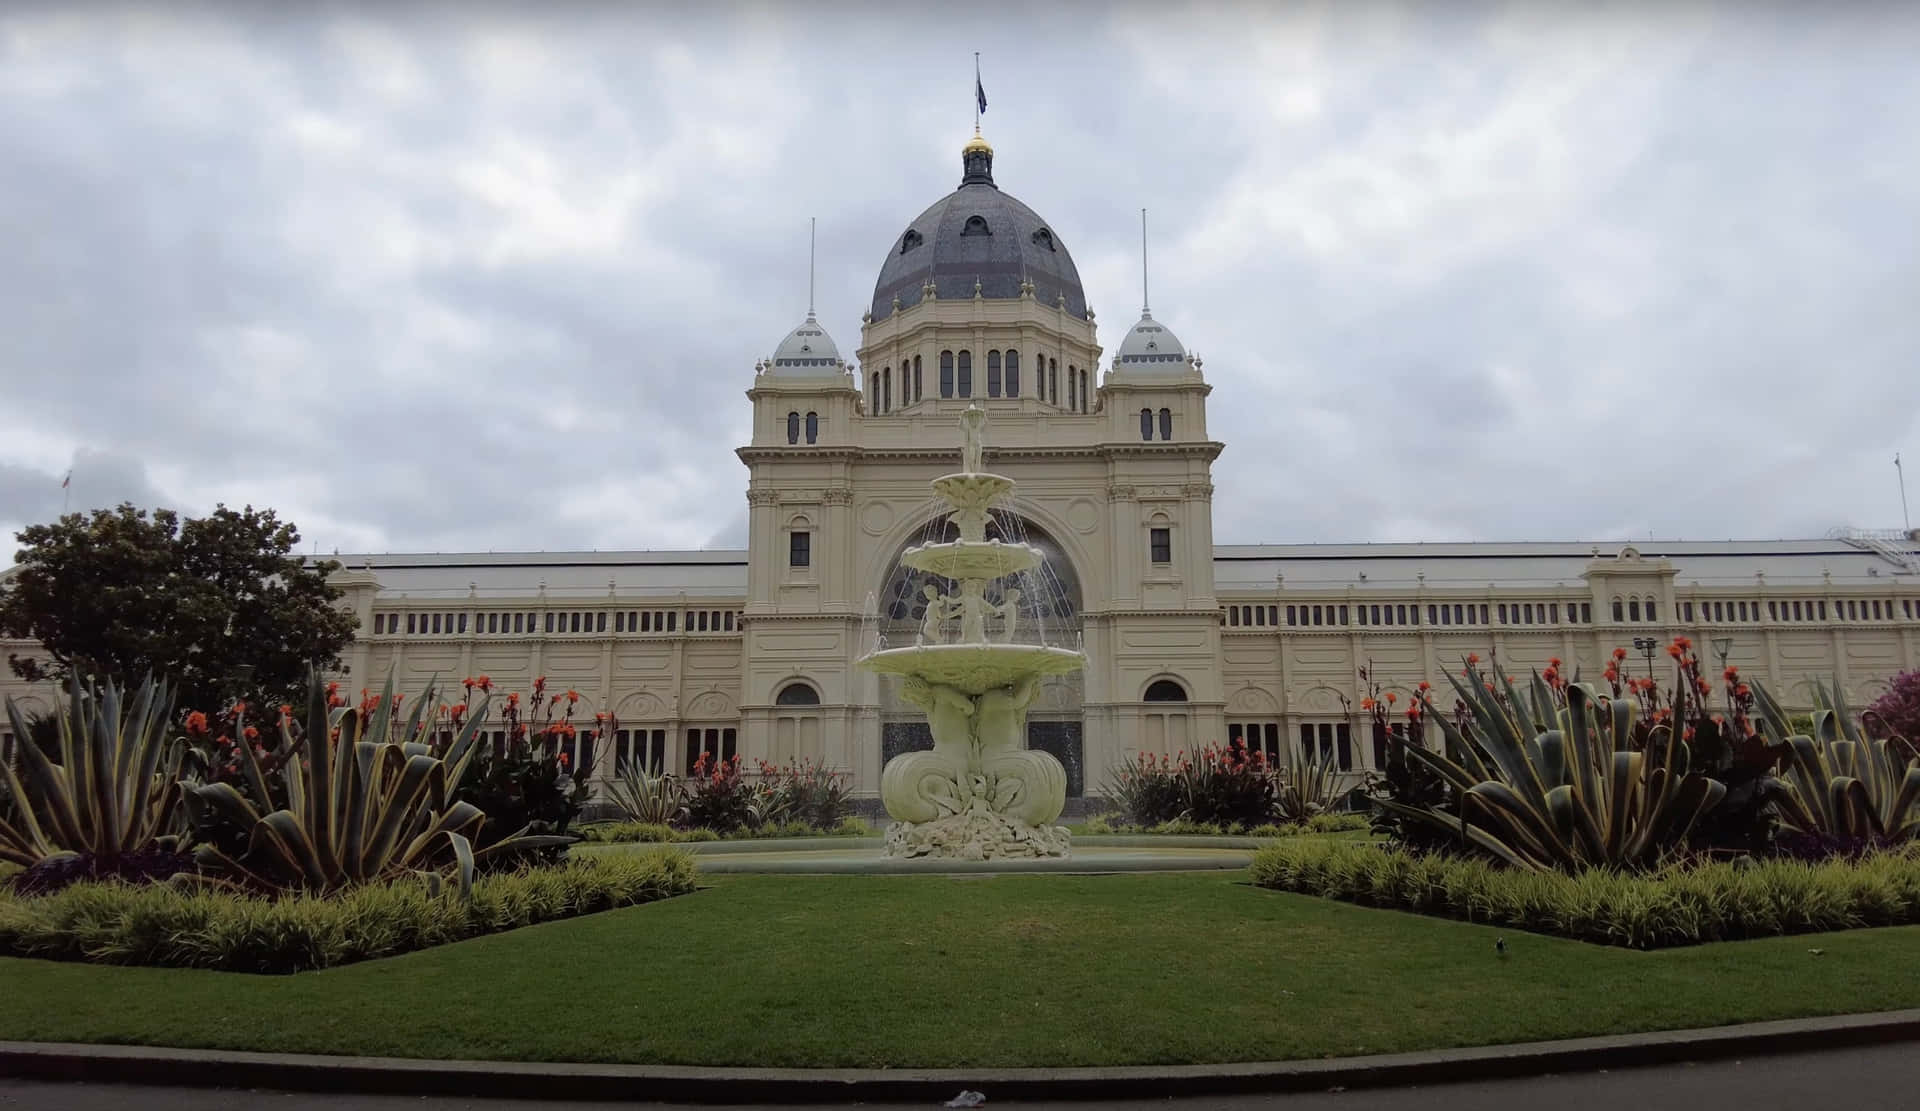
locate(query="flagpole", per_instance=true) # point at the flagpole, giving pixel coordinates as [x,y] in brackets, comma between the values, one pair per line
[66,492]
[1904,516]
[976,97]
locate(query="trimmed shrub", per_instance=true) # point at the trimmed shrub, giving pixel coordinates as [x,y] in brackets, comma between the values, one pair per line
[164,925]
[1679,905]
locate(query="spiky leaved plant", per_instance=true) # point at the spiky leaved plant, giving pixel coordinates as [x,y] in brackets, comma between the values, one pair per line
[371,802]
[647,795]
[1552,779]
[1839,782]
[113,790]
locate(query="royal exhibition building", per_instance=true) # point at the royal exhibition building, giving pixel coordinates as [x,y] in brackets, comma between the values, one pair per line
[977,302]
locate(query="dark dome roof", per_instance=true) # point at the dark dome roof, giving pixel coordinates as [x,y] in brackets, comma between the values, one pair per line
[978,233]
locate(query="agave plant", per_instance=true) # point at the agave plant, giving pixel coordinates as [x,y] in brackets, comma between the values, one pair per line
[114,790]
[646,795]
[1839,782]
[1304,786]
[372,801]
[1553,779]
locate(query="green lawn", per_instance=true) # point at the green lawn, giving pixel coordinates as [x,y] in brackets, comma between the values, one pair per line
[1003,970]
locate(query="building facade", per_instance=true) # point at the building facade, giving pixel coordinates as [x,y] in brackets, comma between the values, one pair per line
[978,301]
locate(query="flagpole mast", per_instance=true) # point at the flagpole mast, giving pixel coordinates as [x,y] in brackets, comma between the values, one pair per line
[1901,471]
[976,98]
[810,222]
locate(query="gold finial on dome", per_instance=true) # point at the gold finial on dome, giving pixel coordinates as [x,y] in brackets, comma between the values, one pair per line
[976,144]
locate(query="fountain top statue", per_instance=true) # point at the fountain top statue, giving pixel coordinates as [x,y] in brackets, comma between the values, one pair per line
[980,792]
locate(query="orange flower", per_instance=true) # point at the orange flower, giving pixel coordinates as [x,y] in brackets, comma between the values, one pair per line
[485,684]
[1472,658]
[1731,674]
[239,708]
[1366,704]
[197,724]
[1425,686]
[1674,650]
[1742,691]
[1619,653]
[467,682]
[573,696]
[1553,662]
[250,733]
[1392,698]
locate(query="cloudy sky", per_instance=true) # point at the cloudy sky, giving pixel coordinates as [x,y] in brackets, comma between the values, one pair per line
[426,278]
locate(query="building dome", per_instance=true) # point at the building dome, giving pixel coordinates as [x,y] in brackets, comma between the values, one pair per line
[978,234]
[1150,347]
[807,350]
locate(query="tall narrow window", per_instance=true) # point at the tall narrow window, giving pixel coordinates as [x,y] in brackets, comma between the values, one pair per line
[946,374]
[1166,424]
[964,379]
[799,548]
[793,428]
[1085,393]
[813,427]
[1633,609]
[1013,374]
[1053,375]
[1073,382]
[1160,545]
[886,390]
[918,393]
[993,374]
[1146,424]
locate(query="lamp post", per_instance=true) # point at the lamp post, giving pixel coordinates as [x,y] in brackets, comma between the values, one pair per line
[1723,647]
[1646,645]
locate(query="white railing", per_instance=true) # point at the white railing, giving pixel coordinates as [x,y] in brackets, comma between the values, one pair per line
[1892,545]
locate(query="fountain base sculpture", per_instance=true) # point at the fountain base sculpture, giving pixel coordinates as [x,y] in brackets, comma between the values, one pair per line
[979,793]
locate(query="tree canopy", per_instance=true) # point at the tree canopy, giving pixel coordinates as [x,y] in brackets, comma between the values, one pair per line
[220,605]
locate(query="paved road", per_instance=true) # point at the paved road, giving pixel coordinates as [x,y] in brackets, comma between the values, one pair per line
[1856,1079]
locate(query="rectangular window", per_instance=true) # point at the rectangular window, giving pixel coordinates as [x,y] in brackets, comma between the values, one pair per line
[1343,616]
[1503,613]
[1876,609]
[1433,615]
[1233,615]
[1273,615]
[436,622]
[1400,615]
[463,622]
[1823,609]
[673,620]
[1797,613]
[1586,613]
[965,378]
[548,622]
[600,622]
[493,622]
[1686,611]
[1773,611]
[379,623]
[728,618]
[1483,614]
[1291,616]
[1459,614]
[1160,543]
[1446,615]
[619,622]
[799,549]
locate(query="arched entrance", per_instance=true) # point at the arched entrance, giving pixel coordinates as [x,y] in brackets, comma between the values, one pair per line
[1049,604]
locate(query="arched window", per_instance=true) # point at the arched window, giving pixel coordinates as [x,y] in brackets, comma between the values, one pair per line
[1633,609]
[1086,393]
[909,241]
[993,374]
[976,225]
[1013,374]
[1166,424]
[1619,610]
[813,427]
[1053,376]
[1146,424]
[918,393]
[1165,690]
[965,377]
[1073,382]
[946,374]
[793,428]
[797,694]
[886,389]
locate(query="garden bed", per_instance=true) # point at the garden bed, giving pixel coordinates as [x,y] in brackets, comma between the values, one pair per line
[614,833]
[116,923]
[1682,905]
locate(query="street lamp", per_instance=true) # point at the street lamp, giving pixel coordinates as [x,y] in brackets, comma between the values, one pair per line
[1646,645]
[1723,647]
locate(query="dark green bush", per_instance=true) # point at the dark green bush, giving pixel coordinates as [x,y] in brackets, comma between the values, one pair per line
[1679,905]
[114,923]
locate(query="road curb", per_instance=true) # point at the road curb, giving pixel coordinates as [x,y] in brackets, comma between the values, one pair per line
[109,1064]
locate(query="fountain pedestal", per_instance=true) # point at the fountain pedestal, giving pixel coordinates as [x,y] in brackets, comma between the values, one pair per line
[980,793]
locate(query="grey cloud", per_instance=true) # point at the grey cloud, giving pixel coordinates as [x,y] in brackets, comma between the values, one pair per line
[1475,273]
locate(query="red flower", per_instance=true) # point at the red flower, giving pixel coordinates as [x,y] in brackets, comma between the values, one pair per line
[1683,643]
[1553,662]
[250,733]
[1392,698]
[1472,658]
[1742,691]
[239,708]
[562,758]
[573,696]
[539,685]
[1366,704]
[459,709]
[1425,686]
[513,700]
[467,683]
[1619,653]
[485,684]
[197,724]
[1731,674]
[1674,650]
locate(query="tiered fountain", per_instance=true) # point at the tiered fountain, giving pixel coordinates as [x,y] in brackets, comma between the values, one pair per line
[980,793]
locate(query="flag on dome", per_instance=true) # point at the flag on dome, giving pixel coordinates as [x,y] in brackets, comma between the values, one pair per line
[979,90]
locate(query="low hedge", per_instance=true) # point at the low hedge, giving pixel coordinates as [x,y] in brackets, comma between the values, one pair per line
[1682,905]
[628,832]
[167,926]
[1319,823]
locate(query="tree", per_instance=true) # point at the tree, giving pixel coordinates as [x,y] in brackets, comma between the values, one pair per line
[1899,708]
[219,605]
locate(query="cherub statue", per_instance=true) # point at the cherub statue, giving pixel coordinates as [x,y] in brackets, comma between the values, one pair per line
[1009,613]
[973,611]
[939,608]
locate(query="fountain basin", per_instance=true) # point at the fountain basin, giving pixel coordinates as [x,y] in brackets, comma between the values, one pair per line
[969,559]
[975,669]
[971,490]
